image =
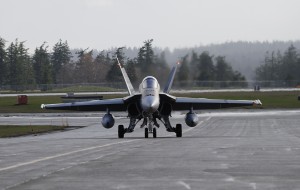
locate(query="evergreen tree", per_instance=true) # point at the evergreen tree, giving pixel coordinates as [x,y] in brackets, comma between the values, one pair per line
[41,66]
[265,72]
[3,65]
[149,54]
[102,65]
[12,64]
[223,70]
[141,59]
[194,65]
[19,66]
[160,67]
[225,73]
[206,67]
[60,57]
[114,74]
[289,64]
[184,72]
[130,68]
[146,58]
[278,67]
[85,71]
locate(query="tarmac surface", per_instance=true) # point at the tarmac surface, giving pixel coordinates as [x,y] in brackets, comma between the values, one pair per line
[231,150]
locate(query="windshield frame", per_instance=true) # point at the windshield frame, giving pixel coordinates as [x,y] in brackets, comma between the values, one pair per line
[150,83]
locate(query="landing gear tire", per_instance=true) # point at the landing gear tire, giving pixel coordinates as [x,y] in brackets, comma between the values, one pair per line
[146,132]
[154,133]
[121,131]
[178,130]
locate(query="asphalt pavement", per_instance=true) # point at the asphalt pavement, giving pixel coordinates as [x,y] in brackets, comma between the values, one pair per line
[227,150]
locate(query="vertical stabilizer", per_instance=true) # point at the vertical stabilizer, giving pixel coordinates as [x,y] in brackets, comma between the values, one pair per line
[171,79]
[127,80]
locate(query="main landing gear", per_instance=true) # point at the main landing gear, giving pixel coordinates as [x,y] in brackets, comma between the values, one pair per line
[121,131]
[150,127]
[178,130]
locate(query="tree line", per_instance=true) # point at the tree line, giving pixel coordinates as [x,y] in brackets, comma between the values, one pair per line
[57,66]
[206,68]
[280,67]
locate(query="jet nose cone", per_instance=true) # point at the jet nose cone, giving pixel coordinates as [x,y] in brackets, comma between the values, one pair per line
[150,104]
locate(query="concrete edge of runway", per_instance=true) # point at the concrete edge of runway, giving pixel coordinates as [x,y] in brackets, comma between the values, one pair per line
[124,114]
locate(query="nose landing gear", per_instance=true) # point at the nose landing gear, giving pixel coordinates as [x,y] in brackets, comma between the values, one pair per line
[151,125]
[146,133]
[153,131]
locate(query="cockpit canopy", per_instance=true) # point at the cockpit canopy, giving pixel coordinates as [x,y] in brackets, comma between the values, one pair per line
[150,82]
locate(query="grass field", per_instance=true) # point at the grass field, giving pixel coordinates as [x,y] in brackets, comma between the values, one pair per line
[78,88]
[9,104]
[270,100]
[16,130]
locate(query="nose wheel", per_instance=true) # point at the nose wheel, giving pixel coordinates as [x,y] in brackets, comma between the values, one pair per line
[146,133]
[153,132]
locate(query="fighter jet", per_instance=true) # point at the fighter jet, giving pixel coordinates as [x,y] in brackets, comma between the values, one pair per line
[150,104]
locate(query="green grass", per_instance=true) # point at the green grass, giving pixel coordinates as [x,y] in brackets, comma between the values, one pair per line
[79,88]
[270,100]
[86,89]
[16,130]
[9,104]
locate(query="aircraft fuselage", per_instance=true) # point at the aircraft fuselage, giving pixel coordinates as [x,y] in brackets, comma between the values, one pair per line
[149,89]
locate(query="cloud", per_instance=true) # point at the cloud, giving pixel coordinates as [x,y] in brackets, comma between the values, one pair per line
[99,3]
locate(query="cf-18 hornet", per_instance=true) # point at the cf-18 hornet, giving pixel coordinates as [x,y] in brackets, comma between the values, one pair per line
[150,104]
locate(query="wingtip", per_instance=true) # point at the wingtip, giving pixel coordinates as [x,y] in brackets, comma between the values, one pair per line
[119,64]
[257,102]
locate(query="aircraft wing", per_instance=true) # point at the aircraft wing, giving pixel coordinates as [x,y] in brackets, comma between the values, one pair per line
[182,103]
[118,104]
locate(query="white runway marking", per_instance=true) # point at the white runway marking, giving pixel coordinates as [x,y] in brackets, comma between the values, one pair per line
[80,150]
[187,186]
[253,185]
[230,179]
[63,154]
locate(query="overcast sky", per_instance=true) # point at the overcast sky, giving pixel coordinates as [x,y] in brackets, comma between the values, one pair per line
[102,24]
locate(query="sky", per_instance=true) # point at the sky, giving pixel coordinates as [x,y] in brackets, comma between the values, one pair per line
[103,24]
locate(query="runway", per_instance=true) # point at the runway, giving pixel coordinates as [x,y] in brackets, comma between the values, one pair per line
[227,150]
